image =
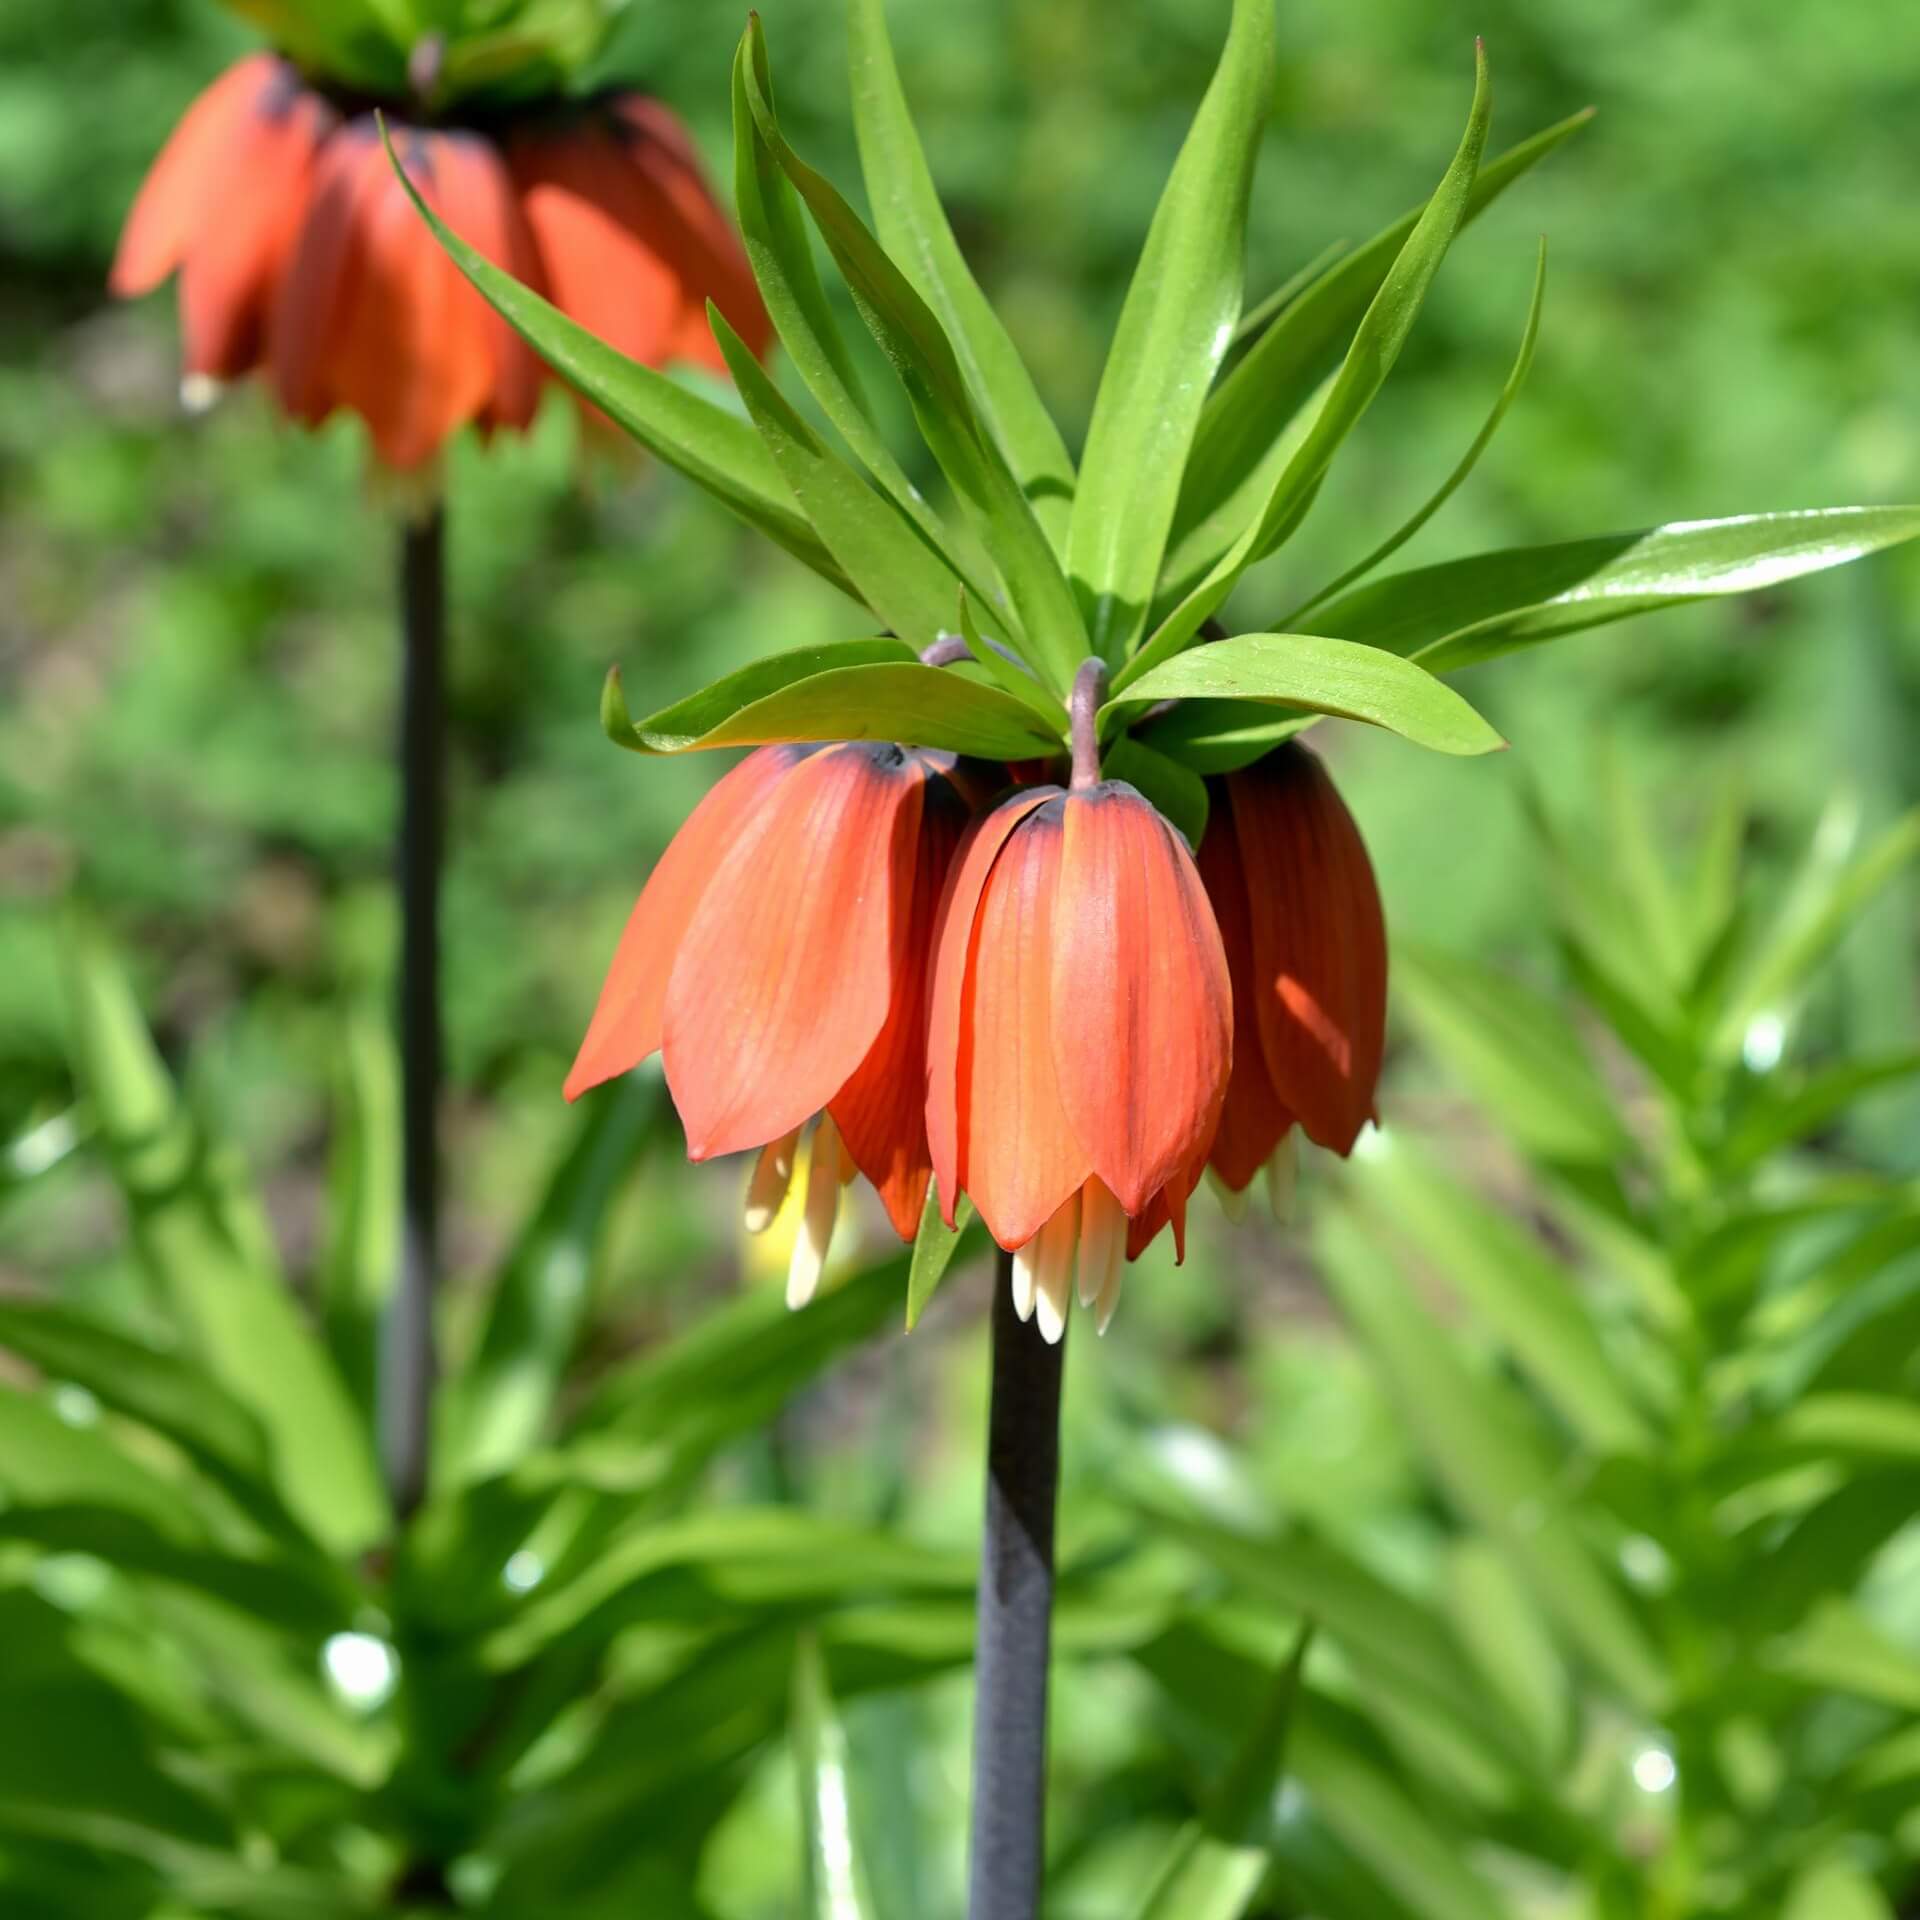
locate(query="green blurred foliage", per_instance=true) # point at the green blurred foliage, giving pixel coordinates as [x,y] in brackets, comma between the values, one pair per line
[196,677]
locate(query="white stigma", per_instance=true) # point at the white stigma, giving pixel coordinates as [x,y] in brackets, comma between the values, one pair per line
[1103,1246]
[1283,1178]
[811,1243]
[1053,1271]
[770,1181]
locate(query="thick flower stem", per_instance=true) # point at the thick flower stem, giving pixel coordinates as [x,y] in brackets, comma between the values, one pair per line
[407,1364]
[1016,1617]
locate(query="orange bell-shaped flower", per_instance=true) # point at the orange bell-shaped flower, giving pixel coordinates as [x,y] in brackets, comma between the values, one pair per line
[1299,913]
[1081,1027]
[776,960]
[299,253]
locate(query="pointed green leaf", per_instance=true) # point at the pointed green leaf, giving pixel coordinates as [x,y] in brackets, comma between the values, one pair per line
[1176,791]
[1174,330]
[1220,736]
[934,1247]
[1318,675]
[363,1198]
[1516,1051]
[1051,633]
[1235,459]
[1462,611]
[712,447]
[494,1409]
[833,1875]
[905,581]
[687,722]
[193,1231]
[1516,379]
[1836,1890]
[912,225]
[899,701]
[1217,1863]
[1488,1459]
[1010,672]
[1804,1108]
[1377,342]
[780,251]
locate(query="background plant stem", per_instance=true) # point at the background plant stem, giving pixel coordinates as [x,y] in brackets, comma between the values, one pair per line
[407,1364]
[1016,1617]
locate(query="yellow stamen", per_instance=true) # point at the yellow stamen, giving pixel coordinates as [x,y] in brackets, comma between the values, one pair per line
[815,1237]
[768,1184]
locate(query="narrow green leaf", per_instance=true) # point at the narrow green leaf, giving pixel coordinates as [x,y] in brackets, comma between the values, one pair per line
[1516,379]
[1499,1624]
[493,1410]
[1489,1460]
[780,252]
[907,583]
[1220,736]
[934,1247]
[1052,635]
[363,1198]
[1520,1296]
[1235,459]
[1840,1650]
[912,226]
[1179,317]
[1010,672]
[1462,611]
[1516,1051]
[1256,320]
[713,448]
[1803,1108]
[1811,926]
[1217,1863]
[898,701]
[833,1876]
[1377,342]
[688,722]
[190,1226]
[1319,675]
[1176,791]
[55,1452]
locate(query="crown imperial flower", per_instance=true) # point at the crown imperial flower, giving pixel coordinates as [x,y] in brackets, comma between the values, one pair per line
[1081,1026]
[299,254]
[776,960]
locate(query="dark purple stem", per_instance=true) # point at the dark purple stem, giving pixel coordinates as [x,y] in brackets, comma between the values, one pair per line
[946,651]
[1015,1630]
[1083,711]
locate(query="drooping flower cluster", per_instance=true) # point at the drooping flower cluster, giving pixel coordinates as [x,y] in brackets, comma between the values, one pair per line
[299,255]
[1035,996]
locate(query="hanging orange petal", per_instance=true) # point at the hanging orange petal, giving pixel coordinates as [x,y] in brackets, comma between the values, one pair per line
[626,1024]
[1019,1156]
[604,243]
[170,210]
[1319,943]
[954,942]
[411,352]
[1142,1019]
[1253,1119]
[252,217]
[784,978]
[882,1110]
[480,203]
[323,272]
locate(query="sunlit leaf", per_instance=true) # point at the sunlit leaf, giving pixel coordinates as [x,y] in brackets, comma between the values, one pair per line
[912,226]
[1179,317]
[1516,379]
[1316,675]
[934,1248]
[1176,790]
[1451,615]
[833,1876]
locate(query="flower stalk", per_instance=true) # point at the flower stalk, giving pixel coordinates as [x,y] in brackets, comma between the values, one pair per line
[1083,713]
[407,1360]
[1014,1632]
